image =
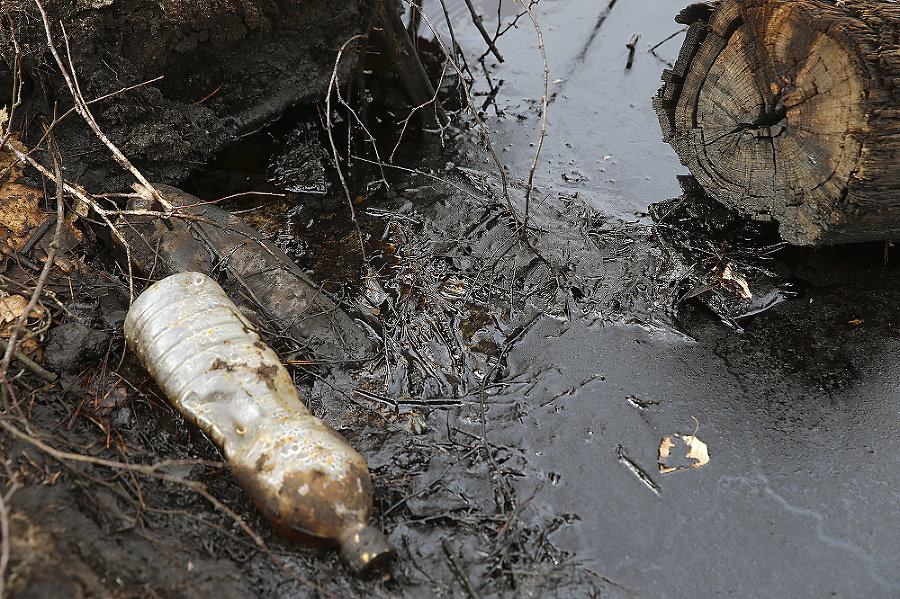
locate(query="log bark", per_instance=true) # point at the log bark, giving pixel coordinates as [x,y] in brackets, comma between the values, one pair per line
[789,110]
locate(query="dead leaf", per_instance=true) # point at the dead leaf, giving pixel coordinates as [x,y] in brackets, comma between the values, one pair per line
[735,282]
[21,212]
[677,452]
[11,308]
[9,160]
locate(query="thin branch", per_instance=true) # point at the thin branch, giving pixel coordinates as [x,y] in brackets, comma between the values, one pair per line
[82,196]
[48,264]
[514,23]
[409,68]
[457,569]
[29,363]
[82,108]
[471,105]
[406,121]
[4,526]
[540,142]
[332,84]
[477,19]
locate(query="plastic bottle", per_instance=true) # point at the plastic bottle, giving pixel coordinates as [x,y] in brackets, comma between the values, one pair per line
[211,364]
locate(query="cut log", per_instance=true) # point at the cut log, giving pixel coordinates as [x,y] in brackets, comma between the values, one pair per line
[790,111]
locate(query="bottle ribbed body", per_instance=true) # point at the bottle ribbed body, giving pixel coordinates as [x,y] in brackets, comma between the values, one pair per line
[214,368]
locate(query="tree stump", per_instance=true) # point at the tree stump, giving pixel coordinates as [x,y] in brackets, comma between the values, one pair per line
[789,110]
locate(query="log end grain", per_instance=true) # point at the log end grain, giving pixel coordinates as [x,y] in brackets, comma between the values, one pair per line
[788,111]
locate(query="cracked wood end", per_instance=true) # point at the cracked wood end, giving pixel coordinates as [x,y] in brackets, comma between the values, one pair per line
[790,111]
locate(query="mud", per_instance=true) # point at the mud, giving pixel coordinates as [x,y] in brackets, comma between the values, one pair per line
[513,419]
[183,78]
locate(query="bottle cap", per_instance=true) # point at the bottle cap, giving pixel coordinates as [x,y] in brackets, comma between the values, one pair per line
[366,551]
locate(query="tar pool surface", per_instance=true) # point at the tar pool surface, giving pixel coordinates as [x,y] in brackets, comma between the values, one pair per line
[800,494]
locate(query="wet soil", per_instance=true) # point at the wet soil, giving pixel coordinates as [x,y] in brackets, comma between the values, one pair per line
[169,82]
[513,420]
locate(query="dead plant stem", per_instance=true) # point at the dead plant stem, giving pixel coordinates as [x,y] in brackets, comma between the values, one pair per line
[514,23]
[470,103]
[6,129]
[29,363]
[537,152]
[478,20]
[4,529]
[457,569]
[482,396]
[82,196]
[82,107]
[48,264]
[332,85]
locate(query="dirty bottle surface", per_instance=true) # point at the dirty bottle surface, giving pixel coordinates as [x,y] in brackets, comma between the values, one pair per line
[214,368]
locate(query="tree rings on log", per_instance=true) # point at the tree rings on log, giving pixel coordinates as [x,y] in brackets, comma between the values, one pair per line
[790,111]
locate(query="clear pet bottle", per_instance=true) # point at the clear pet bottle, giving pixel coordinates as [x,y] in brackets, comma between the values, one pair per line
[214,368]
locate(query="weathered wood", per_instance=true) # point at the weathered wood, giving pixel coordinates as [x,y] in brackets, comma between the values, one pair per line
[789,110]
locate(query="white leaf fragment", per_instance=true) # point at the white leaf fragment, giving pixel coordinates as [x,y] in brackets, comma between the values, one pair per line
[677,452]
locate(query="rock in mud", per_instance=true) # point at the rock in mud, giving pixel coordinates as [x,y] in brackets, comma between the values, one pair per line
[73,343]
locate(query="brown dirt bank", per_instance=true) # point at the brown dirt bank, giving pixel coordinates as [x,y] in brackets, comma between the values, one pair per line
[224,68]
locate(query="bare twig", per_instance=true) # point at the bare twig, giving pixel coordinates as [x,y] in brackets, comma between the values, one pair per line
[471,106]
[73,189]
[48,265]
[540,142]
[14,485]
[667,38]
[29,363]
[406,121]
[6,129]
[409,68]
[457,569]
[360,119]
[82,108]
[429,486]
[477,19]
[631,45]
[332,84]
[499,32]
[482,396]
[457,51]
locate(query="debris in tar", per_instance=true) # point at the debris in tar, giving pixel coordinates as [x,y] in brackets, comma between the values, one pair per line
[636,470]
[677,452]
[214,368]
[631,45]
[641,404]
[716,257]
[733,281]
[205,238]
[11,309]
